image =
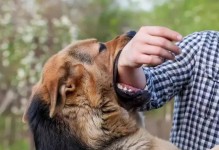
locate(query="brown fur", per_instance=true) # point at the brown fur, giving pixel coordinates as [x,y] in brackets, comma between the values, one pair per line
[76,84]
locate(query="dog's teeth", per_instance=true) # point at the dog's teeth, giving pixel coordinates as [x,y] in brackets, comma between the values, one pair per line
[119,86]
[125,88]
[130,90]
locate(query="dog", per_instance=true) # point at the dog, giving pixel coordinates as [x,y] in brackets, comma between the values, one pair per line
[74,106]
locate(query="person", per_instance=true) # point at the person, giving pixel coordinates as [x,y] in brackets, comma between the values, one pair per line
[187,71]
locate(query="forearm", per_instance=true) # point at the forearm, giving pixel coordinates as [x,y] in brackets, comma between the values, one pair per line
[166,80]
[132,76]
[150,46]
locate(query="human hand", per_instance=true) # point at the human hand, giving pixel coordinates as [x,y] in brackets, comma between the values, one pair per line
[151,46]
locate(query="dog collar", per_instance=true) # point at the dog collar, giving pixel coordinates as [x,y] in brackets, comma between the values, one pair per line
[128,100]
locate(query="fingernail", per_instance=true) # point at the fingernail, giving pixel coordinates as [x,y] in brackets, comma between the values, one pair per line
[179,37]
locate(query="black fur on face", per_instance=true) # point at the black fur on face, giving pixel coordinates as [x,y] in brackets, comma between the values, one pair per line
[50,133]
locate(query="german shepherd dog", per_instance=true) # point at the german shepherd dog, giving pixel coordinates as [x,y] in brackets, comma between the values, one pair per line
[74,105]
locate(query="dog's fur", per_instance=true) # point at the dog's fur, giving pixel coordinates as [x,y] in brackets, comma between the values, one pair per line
[74,105]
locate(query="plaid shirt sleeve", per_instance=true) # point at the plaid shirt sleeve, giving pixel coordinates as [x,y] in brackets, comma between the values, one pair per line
[193,79]
[169,78]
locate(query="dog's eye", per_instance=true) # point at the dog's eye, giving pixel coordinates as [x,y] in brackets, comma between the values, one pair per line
[102,47]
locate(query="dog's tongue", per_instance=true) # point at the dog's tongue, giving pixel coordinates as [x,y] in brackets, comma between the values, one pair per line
[127,88]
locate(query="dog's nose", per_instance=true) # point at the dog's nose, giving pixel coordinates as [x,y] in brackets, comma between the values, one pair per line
[131,34]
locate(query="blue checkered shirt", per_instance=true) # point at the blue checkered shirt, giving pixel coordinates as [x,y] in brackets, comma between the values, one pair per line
[193,80]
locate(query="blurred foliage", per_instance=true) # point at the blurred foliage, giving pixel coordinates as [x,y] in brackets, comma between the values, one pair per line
[187,16]
[14,135]
[27,39]
[33,30]
[106,19]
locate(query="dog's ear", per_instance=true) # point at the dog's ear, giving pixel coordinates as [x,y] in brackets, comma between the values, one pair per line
[55,87]
[57,99]
[65,84]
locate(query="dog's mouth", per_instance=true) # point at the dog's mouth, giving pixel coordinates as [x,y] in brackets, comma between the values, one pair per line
[124,87]
[129,96]
[127,88]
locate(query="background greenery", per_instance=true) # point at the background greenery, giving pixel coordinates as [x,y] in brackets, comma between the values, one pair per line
[32,30]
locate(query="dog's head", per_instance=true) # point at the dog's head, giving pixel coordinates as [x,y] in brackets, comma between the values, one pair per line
[79,74]
[76,88]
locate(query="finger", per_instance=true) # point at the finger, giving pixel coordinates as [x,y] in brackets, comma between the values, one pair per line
[158,51]
[149,60]
[162,42]
[162,32]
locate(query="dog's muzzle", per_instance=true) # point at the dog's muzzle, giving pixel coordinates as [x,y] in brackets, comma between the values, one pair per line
[128,100]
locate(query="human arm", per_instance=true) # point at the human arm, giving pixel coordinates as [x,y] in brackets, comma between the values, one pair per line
[151,45]
[166,80]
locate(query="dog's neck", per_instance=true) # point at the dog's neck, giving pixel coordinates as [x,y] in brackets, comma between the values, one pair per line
[115,131]
[140,140]
[103,126]
[97,127]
